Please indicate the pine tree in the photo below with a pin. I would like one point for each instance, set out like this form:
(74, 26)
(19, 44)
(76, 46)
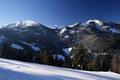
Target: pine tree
(79, 57)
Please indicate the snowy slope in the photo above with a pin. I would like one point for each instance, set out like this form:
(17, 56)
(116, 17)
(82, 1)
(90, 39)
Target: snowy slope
(16, 70)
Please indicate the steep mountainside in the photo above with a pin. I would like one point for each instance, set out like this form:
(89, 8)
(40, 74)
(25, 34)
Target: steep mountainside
(29, 37)
(95, 35)
(95, 45)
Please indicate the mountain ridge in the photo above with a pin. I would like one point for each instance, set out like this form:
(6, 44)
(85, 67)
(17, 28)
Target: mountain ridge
(35, 42)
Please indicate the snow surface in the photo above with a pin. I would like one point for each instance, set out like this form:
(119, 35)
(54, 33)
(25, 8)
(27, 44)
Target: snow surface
(30, 23)
(98, 22)
(72, 31)
(73, 25)
(66, 36)
(17, 46)
(67, 50)
(59, 57)
(17, 23)
(53, 26)
(35, 48)
(63, 30)
(20, 30)
(2, 38)
(114, 30)
(21, 24)
(16, 70)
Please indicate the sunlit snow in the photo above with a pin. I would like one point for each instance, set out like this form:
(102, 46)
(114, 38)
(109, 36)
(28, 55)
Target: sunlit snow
(63, 30)
(98, 22)
(16, 70)
(30, 23)
(73, 25)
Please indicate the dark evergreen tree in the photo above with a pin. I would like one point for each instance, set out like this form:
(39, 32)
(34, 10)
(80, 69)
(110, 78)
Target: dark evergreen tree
(116, 63)
(79, 57)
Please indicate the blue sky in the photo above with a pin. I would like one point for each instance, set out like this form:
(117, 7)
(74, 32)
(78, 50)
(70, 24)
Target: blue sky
(60, 12)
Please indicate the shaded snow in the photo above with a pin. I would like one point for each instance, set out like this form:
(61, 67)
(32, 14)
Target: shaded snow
(105, 27)
(35, 48)
(16, 70)
(67, 50)
(59, 57)
(20, 30)
(36, 33)
(16, 46)
(114, 30)
(2, 38)
(72, 31)
(53, 26)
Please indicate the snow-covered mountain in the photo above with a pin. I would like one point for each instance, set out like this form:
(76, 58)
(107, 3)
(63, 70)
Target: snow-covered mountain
(33, 35)
(36, 34)
(22, 24)
(30, 37)
(66, 37)
(88, 31)
(92, 42)
(16, 70)
(31, 41)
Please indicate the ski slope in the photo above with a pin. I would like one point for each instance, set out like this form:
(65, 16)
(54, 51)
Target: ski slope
(17, 70)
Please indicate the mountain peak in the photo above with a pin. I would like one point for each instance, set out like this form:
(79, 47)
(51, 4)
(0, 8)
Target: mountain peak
(30, 23)
(74, 24)
(23, 24)
(97, 22)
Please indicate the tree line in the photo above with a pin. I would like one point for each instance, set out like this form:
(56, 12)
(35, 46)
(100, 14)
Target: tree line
(80, 58)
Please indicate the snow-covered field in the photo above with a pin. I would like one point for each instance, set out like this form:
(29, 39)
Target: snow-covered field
(16, 70)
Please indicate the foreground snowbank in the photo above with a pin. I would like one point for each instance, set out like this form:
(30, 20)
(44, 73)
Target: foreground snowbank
(16, 70)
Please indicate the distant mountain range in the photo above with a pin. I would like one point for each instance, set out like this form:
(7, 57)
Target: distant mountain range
(93, 34)
(96, 36)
